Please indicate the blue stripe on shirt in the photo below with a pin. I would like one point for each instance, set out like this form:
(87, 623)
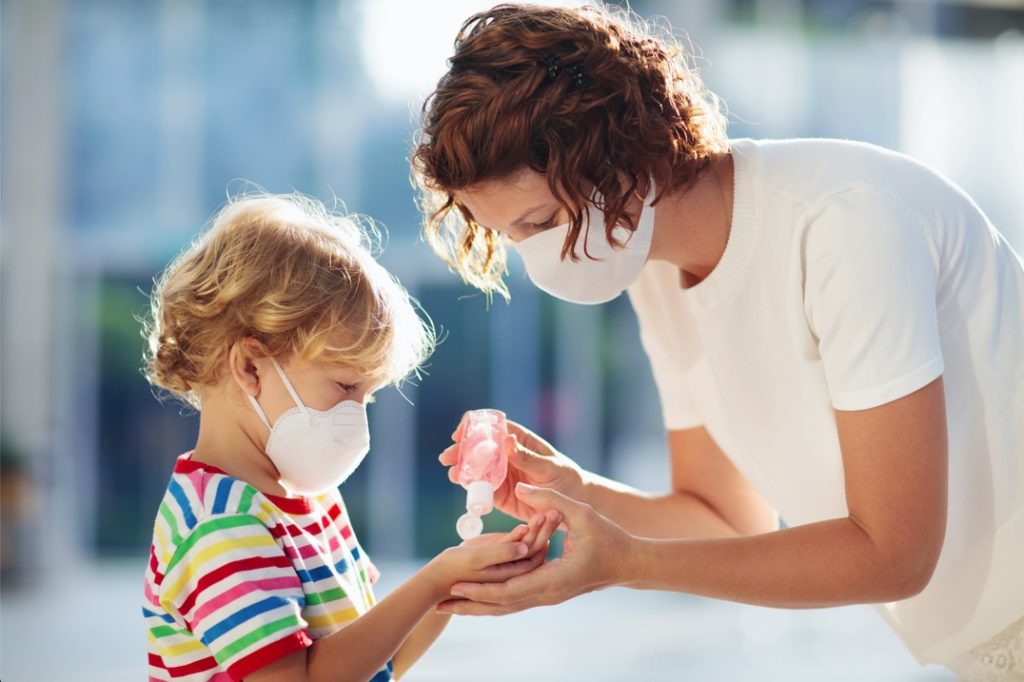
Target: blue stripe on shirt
(242, 615)
(182, 499)
(153, 614)
(223, 490)
(321, 572)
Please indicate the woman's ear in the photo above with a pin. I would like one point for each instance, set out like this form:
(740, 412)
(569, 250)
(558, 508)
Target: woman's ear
(246, 359)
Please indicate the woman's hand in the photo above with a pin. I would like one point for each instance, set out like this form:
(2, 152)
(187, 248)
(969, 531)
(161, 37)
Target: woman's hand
(494, 557)
(531, 460)
(596, 555)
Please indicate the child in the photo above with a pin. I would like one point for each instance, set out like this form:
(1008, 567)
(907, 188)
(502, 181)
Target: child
(278, 325)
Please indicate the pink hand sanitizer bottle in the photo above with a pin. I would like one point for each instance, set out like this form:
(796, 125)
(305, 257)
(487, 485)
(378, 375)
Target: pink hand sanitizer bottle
(481, 466)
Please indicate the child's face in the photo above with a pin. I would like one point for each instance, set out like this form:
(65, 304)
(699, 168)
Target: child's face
(320, 385)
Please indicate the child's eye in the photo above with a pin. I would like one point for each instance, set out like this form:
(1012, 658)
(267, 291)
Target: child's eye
(348, 388)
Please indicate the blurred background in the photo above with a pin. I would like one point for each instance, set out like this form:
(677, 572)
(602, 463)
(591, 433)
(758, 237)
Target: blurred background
(125, 125)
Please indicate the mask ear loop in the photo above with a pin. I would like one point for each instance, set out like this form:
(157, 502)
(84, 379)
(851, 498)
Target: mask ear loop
(291, 392)
(260, 412)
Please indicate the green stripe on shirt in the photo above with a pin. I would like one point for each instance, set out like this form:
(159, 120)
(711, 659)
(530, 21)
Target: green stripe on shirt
(208, 526)
(246, 500)
(165, 511)
(230, 650)
(326, 596)
(168, 630)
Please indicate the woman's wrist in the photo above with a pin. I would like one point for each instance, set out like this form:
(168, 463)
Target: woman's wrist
(588, 489)
(603, 494)
(628, 568)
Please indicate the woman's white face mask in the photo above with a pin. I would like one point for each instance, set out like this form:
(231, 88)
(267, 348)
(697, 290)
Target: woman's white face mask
(602, 276)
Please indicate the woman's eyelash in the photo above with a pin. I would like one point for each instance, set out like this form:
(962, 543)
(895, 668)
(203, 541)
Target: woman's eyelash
(550, 222)
(346, 387)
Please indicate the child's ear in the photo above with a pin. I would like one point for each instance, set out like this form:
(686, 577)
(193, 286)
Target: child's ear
(246, 359)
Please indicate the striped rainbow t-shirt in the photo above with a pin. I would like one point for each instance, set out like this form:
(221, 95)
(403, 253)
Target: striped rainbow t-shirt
(238, 578)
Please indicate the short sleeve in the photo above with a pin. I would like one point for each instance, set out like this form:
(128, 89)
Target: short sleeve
(237, 591)
(870, 298)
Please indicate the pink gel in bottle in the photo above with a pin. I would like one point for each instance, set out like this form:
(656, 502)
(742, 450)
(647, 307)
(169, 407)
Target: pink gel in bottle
(481, 466)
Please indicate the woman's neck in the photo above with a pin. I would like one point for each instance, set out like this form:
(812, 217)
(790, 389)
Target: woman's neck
(691, 228)
(225, 443)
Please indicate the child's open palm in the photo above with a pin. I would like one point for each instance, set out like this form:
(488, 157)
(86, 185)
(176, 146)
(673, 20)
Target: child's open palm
(497, 557)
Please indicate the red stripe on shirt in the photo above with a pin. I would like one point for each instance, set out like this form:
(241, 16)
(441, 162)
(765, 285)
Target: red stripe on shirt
(154, 566)
(279, 530)
(228, 570)
(247, 665)
(202, 665)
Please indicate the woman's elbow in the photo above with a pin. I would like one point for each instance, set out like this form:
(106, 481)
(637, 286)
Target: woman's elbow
(911, 568)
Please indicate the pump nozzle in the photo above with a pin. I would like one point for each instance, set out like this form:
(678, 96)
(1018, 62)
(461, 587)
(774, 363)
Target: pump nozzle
(469, 526)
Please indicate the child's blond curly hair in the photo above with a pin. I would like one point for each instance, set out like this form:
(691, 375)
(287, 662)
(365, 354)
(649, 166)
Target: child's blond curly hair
(287, 271)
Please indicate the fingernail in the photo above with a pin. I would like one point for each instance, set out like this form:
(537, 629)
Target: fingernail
(521, 549)
(443, 609)
(458, 593)
(525, 488)
(557, 517)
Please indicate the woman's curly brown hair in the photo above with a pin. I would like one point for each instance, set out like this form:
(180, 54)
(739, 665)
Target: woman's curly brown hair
(642, 112)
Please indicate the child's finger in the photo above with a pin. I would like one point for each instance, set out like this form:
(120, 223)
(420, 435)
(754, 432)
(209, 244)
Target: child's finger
(498, 553)
(518, 533)
(502, 572)
(514, 535)
(457, 434)
(539, 542)
(533, 526)
(453, 475)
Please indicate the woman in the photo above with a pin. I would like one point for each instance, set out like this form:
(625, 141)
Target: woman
(834, 329)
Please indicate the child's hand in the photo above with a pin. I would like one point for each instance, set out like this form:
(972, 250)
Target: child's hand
(494, 557)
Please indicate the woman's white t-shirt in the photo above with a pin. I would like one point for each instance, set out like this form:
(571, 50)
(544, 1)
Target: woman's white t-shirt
(854, 276)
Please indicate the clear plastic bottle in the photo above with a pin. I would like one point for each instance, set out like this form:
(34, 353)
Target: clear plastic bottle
(481, 466)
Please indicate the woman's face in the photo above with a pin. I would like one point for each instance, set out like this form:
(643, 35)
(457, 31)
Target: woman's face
(517, 206)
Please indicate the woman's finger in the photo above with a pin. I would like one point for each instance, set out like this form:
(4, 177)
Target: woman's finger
(530, 440)
(512, 591)
(457, 433)
(536, 467)
(450, 455)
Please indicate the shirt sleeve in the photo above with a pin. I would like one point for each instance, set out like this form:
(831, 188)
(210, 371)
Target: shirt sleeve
(870, 280)
(238, 592)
